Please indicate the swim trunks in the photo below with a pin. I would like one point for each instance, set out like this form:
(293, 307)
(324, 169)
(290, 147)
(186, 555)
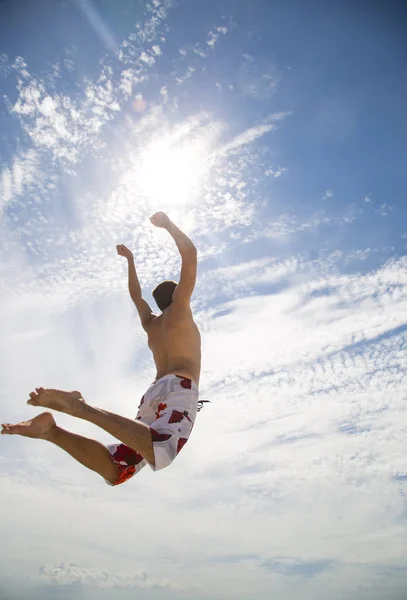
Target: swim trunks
(169, 408)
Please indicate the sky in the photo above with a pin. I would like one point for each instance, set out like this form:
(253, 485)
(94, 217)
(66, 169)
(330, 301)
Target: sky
(274, 134)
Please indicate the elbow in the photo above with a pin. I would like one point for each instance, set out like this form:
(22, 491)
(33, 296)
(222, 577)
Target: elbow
(189, 251)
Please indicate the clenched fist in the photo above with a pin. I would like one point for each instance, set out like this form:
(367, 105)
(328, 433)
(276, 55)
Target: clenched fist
(122, 250)
(160, 219)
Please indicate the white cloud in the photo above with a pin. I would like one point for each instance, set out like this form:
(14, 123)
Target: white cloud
(198, 50)
(277, 172)
(384, 209)
(188, 73)
(213, 35)
(17, 179)
(288, 225)
(328, 194)
(248, 137)
(59, 124)
(147, 59)
(69, 64)
(65, 126)
(70, 573)
(251, 135)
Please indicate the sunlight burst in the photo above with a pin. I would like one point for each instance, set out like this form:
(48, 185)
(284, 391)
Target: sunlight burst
(172, 174)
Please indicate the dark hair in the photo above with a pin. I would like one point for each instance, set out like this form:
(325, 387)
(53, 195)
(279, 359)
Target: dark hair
(162, 294)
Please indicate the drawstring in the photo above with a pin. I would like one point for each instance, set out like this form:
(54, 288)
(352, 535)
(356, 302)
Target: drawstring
(201, 403)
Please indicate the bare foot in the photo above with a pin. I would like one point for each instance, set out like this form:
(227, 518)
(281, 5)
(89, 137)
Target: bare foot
(70, 403)
(39, 427)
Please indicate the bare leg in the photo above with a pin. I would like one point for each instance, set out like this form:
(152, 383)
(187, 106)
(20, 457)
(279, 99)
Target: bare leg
(132, 433)
(90, 453)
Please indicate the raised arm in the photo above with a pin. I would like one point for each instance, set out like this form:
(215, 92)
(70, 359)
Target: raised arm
(189, 255)
(143, 308)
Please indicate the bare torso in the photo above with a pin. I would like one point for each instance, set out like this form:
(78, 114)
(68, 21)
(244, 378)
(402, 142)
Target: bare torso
(175, 342)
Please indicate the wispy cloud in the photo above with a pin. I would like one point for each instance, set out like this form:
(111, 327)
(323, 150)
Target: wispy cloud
(16, 179)
(384, 209)
(213, 35)
(257, 77)
(71, 574)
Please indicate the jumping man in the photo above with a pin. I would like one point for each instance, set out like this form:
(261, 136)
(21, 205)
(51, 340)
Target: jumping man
(167, 410)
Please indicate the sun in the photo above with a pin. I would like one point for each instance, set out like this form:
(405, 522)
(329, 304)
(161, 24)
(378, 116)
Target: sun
(171, 173)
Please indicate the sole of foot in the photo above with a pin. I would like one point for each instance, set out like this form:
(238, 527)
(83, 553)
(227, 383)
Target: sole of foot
(38, 427)
(66, 402)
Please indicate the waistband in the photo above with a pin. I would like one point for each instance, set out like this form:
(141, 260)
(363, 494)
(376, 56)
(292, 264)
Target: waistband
(194, 386)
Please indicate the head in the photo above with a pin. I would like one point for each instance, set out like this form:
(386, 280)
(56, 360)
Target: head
(162, 294)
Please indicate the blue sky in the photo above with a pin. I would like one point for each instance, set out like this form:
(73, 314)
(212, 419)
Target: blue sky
(274, 134)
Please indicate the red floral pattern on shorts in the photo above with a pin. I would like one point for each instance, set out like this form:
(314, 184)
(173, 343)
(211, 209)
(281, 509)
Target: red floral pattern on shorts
(181, 444)
(185, 383)
(159, 437)
(131, 458)
(125, 473)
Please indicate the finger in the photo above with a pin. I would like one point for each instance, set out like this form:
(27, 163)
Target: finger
(32, 402)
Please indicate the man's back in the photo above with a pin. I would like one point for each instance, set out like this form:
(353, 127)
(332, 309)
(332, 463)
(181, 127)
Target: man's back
(173, 336)
(175, 342)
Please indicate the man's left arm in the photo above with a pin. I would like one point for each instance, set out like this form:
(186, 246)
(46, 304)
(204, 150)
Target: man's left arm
(189, 256)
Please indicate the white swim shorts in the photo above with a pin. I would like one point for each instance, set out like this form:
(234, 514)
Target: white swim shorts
(169, 408)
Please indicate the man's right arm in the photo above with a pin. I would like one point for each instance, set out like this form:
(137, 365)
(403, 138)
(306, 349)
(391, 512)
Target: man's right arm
(142, 306)
(144, 310)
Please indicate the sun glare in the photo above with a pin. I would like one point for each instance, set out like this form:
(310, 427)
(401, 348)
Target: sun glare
(171, 174)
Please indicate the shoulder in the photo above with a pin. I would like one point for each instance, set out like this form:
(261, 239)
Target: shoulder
(179, 309)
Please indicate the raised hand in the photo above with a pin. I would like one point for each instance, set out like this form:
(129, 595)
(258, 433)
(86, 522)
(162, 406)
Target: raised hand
(160, 219)
(122, 250)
